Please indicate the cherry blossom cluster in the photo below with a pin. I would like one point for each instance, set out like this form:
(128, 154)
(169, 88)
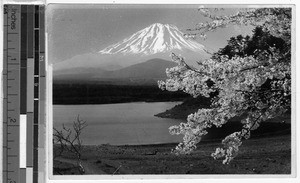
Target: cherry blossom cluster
(254, 88)
(231, 147)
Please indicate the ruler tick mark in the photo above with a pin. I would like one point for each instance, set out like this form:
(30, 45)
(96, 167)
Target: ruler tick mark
(12, 155)
(13, 54)
(8, 171)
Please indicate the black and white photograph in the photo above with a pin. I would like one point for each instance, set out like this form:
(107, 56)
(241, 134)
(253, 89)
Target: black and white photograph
(170, 89)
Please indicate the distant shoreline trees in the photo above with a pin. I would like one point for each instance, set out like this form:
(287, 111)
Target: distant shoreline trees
(251, 76)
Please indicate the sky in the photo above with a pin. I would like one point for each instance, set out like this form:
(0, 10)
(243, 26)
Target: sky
(79, 29)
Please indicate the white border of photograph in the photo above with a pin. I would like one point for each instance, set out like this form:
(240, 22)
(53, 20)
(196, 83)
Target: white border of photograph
(170, 178)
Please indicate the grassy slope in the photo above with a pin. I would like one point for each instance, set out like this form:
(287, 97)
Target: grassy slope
(255, 157)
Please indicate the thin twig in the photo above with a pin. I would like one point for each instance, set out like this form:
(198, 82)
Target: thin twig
(117, 169)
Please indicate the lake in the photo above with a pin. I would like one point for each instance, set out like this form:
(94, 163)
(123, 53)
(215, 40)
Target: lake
(120, 124)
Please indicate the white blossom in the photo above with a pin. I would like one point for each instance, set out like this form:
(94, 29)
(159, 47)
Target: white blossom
(239, 81)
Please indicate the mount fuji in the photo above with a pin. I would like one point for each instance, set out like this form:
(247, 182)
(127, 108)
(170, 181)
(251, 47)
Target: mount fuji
(157, 38)
(156, 41)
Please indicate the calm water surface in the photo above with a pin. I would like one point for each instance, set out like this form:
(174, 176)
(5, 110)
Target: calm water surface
(120, 124)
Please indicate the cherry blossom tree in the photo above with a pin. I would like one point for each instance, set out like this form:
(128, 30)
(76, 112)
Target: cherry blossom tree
(253, 87)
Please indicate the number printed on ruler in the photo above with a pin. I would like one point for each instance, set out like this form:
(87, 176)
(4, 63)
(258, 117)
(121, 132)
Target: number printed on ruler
(12, 27)
(23, 61)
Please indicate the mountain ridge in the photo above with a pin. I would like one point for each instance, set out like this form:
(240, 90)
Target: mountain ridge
(149, 71)
(154, 68)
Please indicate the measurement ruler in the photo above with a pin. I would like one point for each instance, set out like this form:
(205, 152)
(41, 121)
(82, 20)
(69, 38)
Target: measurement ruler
(23, 91)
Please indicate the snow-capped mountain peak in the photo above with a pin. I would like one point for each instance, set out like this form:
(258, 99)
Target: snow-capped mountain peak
(156, 38)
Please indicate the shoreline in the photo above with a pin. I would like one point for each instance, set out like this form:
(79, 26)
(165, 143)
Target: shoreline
(168, 101)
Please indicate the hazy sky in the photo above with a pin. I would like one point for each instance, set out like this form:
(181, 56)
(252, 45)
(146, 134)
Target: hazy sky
(79, 29)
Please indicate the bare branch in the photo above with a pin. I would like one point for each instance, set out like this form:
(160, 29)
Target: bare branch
(70, 140)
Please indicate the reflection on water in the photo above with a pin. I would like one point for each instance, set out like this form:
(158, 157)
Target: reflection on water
(119, 124)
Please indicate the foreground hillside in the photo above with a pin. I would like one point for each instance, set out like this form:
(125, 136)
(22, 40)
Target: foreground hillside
(263, 155)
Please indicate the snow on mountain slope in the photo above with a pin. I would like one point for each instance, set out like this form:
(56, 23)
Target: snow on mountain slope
(156, 41)
(157, 38)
